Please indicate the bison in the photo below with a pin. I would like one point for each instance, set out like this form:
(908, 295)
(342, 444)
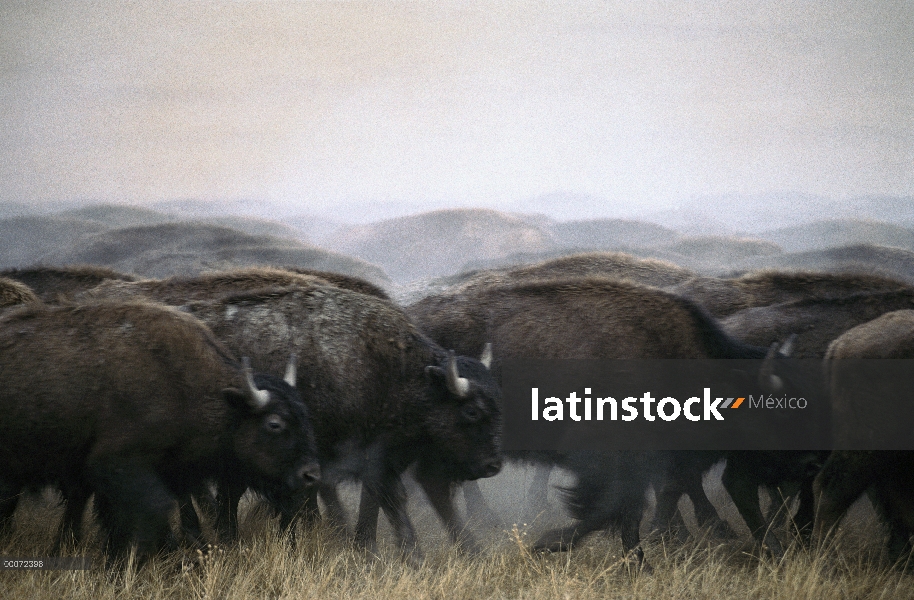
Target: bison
(12, 293)
(723, 297)
(179, 290)
(380, 393)
(593, 318)
(52, 283)
(815, 321)
(139, 404)
(887, 475)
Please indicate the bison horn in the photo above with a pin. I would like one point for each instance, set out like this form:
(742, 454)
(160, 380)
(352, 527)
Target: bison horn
(787, 347)
(459, 386)
(486, 358)
(259, 398)
(766, 376)
(290, 376)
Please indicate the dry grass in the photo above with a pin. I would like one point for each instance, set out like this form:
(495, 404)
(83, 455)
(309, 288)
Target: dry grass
(325, 565)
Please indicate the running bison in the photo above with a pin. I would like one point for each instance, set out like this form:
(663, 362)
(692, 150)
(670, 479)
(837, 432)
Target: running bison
(722, 297)
(53, 283)
(13, 293)
(887, 475)
(815, 321)
(138, 404)
(380, 393)
(600, 318)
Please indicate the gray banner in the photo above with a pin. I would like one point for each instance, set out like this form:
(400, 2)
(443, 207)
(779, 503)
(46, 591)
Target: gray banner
(565, 405)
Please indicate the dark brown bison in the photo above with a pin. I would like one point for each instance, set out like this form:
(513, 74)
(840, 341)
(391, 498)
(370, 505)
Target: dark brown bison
(347, 282)
(887, 475)
(380, 393)
(52, 283)
(179, 290)
(816, 322)
(138, 404)
(596, 318)
(722, 297)
(12, 293)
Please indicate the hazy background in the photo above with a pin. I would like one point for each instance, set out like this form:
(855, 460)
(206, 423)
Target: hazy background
(355, 111)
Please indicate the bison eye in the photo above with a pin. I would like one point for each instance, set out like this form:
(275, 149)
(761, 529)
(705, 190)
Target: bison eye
(471, 413)
(275, 423)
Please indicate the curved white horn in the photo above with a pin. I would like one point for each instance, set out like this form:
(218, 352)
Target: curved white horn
(486, 358)
(259, 398)
(787, 348)
(766, 376)
(459, 386)
(290, 376)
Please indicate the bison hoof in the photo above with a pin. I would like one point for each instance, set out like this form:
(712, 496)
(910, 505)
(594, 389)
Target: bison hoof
(553, 542)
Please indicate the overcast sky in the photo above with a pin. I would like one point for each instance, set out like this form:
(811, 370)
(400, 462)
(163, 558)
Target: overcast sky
(329, 104)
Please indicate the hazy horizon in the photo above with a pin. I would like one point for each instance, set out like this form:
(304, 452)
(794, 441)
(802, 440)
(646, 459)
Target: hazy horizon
(607, 108)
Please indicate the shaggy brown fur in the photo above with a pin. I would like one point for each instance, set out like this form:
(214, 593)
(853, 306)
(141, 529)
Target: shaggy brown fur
(12, 293)
(347, 282)
(375, 405)
(816, 321)
(888, 475)
(580, 318)
(611, 265)
(179, 290)
(52, 283)
(134, 402)
(722, 297)
(599, 319)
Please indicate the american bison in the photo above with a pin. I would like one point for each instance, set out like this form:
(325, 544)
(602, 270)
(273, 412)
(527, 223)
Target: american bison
(815, 322)
(380, 393)
(586, 319)
(13, 293)
(887, 475)
(52, 283)
(138, 404)
(723, 297)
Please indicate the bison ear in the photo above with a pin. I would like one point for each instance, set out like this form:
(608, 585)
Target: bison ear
(236, 398)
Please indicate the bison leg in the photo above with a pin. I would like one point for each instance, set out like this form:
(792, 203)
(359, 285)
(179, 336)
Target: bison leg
(477, 505)
(743, 491)
(440, 493)
(538, 493)
(76, 497)
(336, 516)
(190, 522)
(135, 506)
(667, 518)
(9, 499)
(366, 528)
(228, 496)
(390, 495)
(838, 486)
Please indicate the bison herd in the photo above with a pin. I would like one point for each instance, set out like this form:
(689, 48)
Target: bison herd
(148, 394)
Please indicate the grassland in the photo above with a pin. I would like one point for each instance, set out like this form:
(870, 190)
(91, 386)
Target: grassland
(324, 564)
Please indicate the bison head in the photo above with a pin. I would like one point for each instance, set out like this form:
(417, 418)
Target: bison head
(273, 439)
(465, 417)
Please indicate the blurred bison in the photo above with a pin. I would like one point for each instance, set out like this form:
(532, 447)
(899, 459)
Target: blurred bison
(179, 290)
(381, 395)
(605, 319)
(12, 293)
(815, 321)
(138, 404)
(722, 297)
(53, 283)
(887, 475)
